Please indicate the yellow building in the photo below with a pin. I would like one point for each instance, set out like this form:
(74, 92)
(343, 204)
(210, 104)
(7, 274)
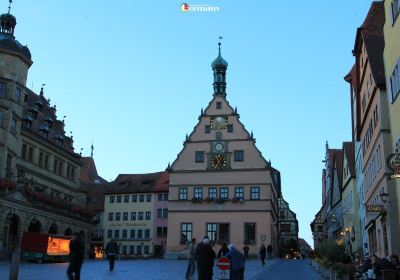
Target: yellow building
(391, 56)
(130, 211)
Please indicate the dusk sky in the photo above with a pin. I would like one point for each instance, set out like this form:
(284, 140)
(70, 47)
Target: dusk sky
(132, 76)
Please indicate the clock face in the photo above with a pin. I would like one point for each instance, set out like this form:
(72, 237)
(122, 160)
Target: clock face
(218, 147)
(219, 123)
(219, 162)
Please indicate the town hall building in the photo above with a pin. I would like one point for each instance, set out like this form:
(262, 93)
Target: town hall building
(220, 184)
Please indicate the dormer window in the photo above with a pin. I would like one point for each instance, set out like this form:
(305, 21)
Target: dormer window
(59, 140)
(49, 122)
(39, 104)
(219, 105)
(34, 111)
(27, 122)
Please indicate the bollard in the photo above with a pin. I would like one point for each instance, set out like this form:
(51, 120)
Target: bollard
(14, 266)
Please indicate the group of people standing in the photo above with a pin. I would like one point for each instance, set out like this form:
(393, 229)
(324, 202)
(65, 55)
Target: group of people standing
(202, 255)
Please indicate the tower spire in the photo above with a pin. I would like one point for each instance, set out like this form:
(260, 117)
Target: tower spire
(219, 66)
(9, 6)
(91, 150)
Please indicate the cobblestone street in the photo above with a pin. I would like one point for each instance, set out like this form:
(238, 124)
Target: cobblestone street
(159, 270)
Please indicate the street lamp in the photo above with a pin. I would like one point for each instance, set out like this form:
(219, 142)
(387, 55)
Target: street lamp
(384, 197)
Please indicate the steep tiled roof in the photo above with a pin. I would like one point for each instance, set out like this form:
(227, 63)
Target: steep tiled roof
(141, 183)
(37, 110)
(371, 32)
(96, 195)
(348, 150)
(89, 172)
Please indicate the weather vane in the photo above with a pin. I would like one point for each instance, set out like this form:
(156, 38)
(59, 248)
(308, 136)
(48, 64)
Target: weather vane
(9, 6)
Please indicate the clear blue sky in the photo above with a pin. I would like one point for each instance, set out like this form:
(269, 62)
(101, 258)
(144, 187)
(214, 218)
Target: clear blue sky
(133, 76)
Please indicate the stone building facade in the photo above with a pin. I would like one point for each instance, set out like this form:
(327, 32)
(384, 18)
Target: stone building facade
(220, 184)
(39, 170)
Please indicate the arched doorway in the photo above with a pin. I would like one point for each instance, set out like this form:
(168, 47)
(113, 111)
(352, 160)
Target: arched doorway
(13, 232)
(35, 226)
(68, 232)
(53, 229)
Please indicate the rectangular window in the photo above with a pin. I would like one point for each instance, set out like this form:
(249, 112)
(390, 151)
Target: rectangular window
(131, 250)
(119, 199)
(116, 233)
(118, 216)
(147, 233)
(249, 233)
(17, 94)
(23, 153)
(395, 82)
(3, 89)
(141, 198)
(255, 193)
(239, 192)
(230, 128)
(126, 198)
(125, 216)
(239, 155)
(224, 193)
(199, 156)
(198, 193)
(140, 234)
(132, 234)
(46, 163)
(148, 198)
(112, 199)
(207, 129)
(1, 118)
(148, 215)
(134, 198)
(133, 216)
(110, 216)
(146, 249)
(165, 197)
(109, 233)
(212, 231)
(212, 193)
(223, 233)
(140, 216)
(138, 249)
(159, 232)
(219, 105)
(60, 168)
(159, 213)
(186, 232)
(124, 233)
(123, 249)
(183, 193)
(30, 154)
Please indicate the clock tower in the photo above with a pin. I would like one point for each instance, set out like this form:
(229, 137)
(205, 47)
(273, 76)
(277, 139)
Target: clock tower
(220, 184)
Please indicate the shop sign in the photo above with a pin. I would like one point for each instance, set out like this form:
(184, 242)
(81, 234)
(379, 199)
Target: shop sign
(375, 208)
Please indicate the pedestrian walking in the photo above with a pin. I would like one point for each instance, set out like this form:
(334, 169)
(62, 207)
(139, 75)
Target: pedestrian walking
(246, 250)
(204, 255)
(191, 268)
(77, 254)
(263, 253)
(269, 251)
(237, 263)
(223, 250)
(112, 251)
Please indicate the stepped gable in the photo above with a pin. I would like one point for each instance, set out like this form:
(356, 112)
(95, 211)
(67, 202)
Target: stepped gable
(43, 119)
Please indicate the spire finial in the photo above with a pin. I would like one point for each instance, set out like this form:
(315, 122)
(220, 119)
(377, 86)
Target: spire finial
(9, 6)
(41, 89)
(219, 44)
(91, 150)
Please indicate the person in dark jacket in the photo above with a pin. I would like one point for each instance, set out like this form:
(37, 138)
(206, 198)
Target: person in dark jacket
(77, 254)
(237, 263)
(246, 250)
(223, 251)
(381, 264)
(112, 251)
(263, 253)
(269, 251)
(205, 256)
